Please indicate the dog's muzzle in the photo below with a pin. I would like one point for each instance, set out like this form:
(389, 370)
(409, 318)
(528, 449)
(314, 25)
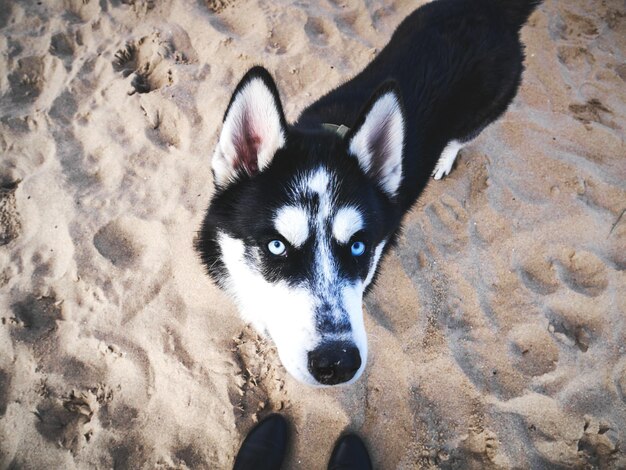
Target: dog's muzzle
(334, 362)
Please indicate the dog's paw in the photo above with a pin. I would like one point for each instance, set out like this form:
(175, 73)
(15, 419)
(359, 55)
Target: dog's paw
(446, 160)
(443, 168)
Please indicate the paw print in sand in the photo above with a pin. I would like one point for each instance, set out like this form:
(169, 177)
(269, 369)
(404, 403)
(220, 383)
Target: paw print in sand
(10, 225)
(259, 386)
(146, 60)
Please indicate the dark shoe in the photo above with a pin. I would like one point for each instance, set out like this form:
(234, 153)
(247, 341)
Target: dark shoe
(264, 447)
(350, 454)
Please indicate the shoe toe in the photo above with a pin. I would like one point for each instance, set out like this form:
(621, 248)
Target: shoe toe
(264, 447)
(350, 454)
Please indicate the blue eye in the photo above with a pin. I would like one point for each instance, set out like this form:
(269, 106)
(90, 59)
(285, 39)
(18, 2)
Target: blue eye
(357, 248)
(277, 247)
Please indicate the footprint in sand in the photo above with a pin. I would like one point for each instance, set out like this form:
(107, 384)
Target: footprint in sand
(535, 352)
(140, 7)
(35, 318)
(318, 30)
(598, 445)
(5, 384)
(577, 334)
(117, 243)
(62, 45)
(279, 41)
(191, 457)
(583, 272)
(578, 324)
(10, 225)
(131, 363)
(539, 275)
(448, 218)
(132, 451)
(63, 426)
(380, 16)
(166, 126)
(7, 12)
(69, 420)
(131, 241)
(145, 59)
(575, 58)
(569, 25)
(220, 23)
(547, 427)
(27, 81)
(621, 71)
(578, 26)
(81, 11)
(151, 59)
(591, 111)
(346, 23)
(217, 6)
(175, 347)
(481, 446)
(258, 388)
(619, 377)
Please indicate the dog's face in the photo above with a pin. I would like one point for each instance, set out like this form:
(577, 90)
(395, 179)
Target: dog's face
(298, 223)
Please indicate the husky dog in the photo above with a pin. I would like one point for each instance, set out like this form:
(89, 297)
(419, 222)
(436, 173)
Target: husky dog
(302, 213)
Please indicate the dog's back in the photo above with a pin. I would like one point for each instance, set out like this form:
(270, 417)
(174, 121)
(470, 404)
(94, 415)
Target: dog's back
(458, 65)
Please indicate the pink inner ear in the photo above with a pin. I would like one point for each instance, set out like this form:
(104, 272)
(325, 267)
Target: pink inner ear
(247, 143)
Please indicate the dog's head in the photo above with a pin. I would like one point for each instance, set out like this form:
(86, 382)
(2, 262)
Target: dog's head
(299, 221)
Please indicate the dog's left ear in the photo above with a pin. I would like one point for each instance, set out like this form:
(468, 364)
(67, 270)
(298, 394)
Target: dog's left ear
(254, 128)
(377, 139)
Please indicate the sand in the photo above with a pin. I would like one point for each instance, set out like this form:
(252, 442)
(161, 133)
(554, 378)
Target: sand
(497, 330)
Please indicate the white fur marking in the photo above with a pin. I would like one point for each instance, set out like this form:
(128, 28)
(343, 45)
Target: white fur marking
(285, 312)
(347, 222)
(256, 106)
(293, 224)
(318, 181)
(352, 297)
(384, 116)
(446, 160)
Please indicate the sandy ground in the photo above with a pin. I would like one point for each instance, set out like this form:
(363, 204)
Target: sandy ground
(497, 330)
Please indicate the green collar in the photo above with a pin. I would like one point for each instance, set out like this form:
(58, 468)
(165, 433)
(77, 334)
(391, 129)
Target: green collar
(341, 130)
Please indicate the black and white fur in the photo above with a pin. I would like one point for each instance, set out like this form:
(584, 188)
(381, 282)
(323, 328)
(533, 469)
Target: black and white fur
(294, 205)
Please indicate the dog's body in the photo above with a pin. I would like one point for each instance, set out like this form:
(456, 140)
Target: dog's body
(302, 214)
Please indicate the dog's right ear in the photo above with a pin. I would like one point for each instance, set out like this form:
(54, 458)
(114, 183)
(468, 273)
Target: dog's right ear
(254, 128)
(377, 139)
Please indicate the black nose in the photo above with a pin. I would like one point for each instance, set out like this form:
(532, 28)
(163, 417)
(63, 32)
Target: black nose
(335, 362)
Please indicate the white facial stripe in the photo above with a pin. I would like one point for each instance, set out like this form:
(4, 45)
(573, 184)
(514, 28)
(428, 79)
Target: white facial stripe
(320, 184)
(352, 296)
(347, 222)
(326, 277)
(378, 251)
(293, 224)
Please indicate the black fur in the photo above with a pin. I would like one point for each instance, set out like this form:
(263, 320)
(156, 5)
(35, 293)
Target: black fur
(458, 64)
